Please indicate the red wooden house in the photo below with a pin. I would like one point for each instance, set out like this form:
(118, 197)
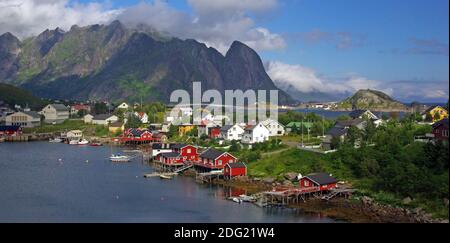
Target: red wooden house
(187, 152)
(170, 158)
(440, 130)
(323, 181)
(213, 159)
(133, 135)
(10, 131)
(234, 169)
(214, 132)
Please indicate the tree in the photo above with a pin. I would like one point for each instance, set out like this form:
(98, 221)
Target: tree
(437, 116)
(173, 131)
(82, 113)
(234, 146)
(100, 108)
(428, 117)
(133, 122)
(354, 135)
(335, 142)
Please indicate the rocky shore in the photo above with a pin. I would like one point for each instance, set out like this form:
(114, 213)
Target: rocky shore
(354, 210)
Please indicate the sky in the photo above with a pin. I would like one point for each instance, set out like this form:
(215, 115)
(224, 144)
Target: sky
(330, 46)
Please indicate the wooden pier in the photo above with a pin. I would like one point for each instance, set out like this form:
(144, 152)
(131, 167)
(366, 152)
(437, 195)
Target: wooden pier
(296, 195)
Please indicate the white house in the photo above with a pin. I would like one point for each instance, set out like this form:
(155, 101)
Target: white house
(255, 134)
(23, 119)
(55, 113)
(104, 119)
(88, 118)
(275, 128)
(124, 106)
(74, 135)
(231, 132)
(142, 116)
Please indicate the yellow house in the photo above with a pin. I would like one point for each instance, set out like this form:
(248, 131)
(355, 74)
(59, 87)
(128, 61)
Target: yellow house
(433, 110)
(116, 127)
(184, 129)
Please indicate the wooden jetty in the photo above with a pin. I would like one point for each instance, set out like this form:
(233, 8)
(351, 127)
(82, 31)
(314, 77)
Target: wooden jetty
(296, 195)
(209, 176)
(156, 174)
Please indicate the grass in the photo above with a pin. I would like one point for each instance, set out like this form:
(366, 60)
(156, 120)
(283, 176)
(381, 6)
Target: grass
(88, 129)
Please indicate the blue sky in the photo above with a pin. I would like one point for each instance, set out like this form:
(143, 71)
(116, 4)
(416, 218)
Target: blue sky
(331, 46)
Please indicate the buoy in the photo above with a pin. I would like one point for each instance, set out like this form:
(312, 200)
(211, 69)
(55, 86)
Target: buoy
(59, 159)
(87, 161)
(117, 197)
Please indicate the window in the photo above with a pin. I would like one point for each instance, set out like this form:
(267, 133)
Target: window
(219, 162)
(306, 183)
(188, 151)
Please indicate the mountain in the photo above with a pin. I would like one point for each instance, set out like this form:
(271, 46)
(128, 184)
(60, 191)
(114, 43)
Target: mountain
(116, 63)
(371, 99)
(12, 95)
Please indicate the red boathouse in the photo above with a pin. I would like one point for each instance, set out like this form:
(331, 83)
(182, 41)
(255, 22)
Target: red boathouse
(188, 153)
(213, 159)
(234, 169)
(323, 181)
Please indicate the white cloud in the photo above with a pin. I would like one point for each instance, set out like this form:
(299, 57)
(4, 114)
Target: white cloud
(216, 23)
(30, 17)
(307, 80)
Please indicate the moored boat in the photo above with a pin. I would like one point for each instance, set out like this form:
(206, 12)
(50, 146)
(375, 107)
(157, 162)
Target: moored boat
(55, 140)
(167, 177)
(83, 142)
(2, 140)
(73, 142)
(120, 158)
(96, 144)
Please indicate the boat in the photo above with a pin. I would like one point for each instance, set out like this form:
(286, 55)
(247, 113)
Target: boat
(96, 144)
(2, 140)
(83, 142)
(120, 158)
(246, 198)
(236, 200)
(167, 177)
(73, 142)
(55, 140)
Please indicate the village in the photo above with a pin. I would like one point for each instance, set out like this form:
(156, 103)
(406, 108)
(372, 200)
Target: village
(212, 152)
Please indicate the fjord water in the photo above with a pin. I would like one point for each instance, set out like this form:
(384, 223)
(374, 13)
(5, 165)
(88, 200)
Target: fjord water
(44, 182)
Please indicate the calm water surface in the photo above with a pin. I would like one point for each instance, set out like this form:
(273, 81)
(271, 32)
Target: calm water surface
(85, 187)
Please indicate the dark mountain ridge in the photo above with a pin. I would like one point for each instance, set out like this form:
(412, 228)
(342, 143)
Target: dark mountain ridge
(115, 63)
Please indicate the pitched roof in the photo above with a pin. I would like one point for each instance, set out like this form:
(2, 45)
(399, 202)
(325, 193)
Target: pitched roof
(179, 145)
(357, 113)
(102, 116)
(116, 124)
(60, 107)
(211, 154)
(321, 178)
(443, 122)
(349, 123)
(337, 132)
(170, 155)
(226, 128)
(33, 114)
(237, 165)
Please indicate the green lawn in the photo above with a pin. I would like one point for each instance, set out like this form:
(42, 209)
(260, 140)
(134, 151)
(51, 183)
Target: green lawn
(88, 129)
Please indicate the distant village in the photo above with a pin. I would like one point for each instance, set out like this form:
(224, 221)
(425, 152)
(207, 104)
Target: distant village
(160, 134)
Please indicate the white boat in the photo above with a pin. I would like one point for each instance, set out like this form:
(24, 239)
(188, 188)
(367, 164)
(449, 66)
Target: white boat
(55, 140)
(83, 142)
(73, 142)
(236, 200)
(120, 158)
(167, 177)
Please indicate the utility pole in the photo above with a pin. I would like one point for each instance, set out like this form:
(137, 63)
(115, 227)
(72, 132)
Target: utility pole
(302, 132)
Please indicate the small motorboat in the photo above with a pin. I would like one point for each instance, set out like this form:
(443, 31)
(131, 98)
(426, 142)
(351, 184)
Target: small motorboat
(246, 198)
(120, 158)
(2, 140)
(83, 142)
(73, 142)
(167, 177)
(236, 200)
(55, 140)
(96, 144)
